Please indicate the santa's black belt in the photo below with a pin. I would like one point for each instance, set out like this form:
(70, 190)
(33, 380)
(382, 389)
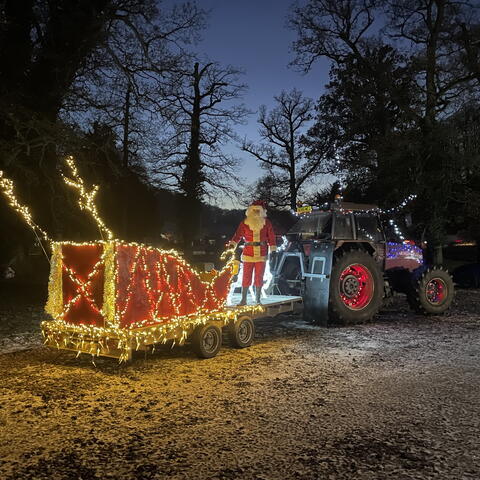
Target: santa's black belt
(255, 244)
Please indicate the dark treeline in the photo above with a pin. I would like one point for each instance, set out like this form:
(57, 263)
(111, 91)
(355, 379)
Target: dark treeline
(118, 84)
(399, 116)
(401, 110)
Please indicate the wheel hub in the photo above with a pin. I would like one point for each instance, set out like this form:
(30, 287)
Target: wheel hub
(350, 286)
(436, 291)
(209, 341)
(244, 332)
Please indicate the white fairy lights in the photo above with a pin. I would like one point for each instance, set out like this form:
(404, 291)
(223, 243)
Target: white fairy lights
(86, 199)
(8, 189)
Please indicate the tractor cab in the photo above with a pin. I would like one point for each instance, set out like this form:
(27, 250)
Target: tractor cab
(342, 223)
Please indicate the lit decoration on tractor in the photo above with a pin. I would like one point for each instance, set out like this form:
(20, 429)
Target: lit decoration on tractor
(108, 297)
(403, 255)
(303, 210)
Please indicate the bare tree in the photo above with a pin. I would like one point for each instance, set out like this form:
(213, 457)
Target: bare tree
(270, 189)
(282, 152)
(431, 29)
(120, 81)
(202, 105)
(330, 28)
(469, 39)
(74, 62)
(65, 64)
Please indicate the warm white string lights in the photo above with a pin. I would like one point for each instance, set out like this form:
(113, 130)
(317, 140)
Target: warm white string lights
(8, 189)
(86, 199)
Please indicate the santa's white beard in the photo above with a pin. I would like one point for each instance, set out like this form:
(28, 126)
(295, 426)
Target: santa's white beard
(255, 222)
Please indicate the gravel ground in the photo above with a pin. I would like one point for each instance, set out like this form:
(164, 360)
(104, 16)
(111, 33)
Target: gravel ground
(397, 398)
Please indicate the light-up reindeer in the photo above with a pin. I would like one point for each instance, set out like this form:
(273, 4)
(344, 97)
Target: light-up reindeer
(107, 297)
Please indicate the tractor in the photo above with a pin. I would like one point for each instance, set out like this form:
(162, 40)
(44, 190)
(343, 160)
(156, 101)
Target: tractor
(339, 260)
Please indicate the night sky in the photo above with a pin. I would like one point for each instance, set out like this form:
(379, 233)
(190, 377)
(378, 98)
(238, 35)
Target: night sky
(252, 35)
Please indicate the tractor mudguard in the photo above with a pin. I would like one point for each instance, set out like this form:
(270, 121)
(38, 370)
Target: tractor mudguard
(317, 283)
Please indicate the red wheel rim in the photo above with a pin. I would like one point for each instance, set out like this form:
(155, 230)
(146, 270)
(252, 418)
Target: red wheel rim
(356, 286)
(436, 291)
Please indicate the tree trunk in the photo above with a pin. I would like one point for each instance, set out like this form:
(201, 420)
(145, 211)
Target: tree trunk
(126, 128)
(434, 21)
(436, 220)
(125, 154)
(192, 178)
(293, 177)
(293, 192)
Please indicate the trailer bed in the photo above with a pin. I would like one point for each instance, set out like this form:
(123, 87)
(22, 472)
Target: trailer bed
(272, 305)
(110, 346)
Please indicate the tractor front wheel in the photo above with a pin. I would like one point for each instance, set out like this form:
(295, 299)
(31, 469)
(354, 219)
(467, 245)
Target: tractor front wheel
(432, 292)
(356, 288)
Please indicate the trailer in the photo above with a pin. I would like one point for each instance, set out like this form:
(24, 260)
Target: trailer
(109, 297)
(113, 298)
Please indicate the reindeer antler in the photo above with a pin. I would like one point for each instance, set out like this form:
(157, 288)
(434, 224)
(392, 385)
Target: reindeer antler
(86, 200)
(8, 187)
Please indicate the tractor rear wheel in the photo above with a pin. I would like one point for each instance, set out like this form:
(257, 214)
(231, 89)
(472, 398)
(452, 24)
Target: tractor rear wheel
(356, 288)
(432, 292)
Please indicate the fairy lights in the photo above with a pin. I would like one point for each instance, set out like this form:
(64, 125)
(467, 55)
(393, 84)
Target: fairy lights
(396, 230)
(54, 305)
(8, 190)
(190, 301)
(104, 340)
(396, 250)
(86, 199)
(389, 211)
(305, 210)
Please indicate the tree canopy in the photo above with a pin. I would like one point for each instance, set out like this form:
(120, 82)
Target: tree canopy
(394, 94)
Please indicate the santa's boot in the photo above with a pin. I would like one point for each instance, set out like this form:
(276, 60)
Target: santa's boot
(243, 301)
(258, 294)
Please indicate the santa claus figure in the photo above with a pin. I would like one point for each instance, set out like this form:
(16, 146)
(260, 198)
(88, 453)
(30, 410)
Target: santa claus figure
(257, 232)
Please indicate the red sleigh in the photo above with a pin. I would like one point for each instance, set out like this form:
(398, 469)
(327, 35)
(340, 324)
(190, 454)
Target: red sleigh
(109, 298)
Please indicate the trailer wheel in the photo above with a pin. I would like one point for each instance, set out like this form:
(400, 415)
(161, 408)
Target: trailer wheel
(242, 332)
(356, 288)
(432, 292)
(207, 340)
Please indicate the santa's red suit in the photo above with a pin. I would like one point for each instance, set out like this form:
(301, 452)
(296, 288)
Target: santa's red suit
(257, 232)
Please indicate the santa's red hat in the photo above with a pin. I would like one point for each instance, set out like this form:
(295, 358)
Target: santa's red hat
(260, 203)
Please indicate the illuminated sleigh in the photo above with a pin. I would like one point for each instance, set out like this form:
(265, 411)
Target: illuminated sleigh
(109, 297)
